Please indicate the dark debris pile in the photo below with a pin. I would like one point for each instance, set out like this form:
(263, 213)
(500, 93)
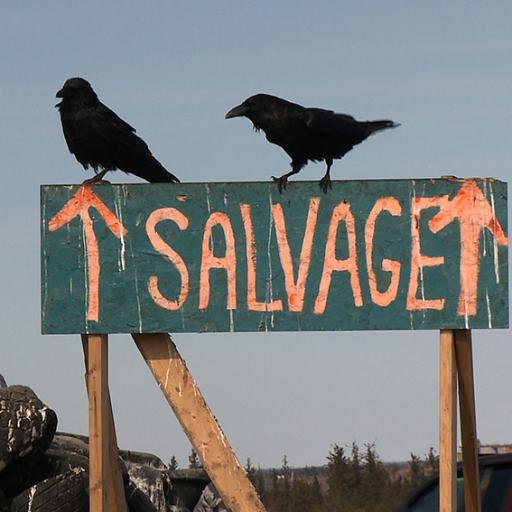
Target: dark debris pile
(43, 470)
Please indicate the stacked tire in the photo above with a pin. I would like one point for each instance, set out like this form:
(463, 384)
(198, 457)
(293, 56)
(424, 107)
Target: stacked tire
(27, 482)
(45, 471)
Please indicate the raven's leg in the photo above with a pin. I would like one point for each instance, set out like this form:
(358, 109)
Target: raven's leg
(325, 182)
(283, 180)
(97, 178)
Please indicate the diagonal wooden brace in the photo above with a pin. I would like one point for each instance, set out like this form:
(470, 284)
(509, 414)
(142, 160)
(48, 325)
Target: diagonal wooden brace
(464, 356)
(198, 422)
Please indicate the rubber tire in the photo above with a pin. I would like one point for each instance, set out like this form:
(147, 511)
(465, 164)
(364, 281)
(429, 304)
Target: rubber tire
(66, 492)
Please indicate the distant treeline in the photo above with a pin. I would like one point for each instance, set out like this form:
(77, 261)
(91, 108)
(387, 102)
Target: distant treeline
(351, 481)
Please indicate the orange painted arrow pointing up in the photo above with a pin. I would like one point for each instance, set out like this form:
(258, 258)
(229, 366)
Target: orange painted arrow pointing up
(475, 214)
(79, 205)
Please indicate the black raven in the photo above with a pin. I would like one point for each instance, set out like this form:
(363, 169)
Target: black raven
(306, 133)
(99, 138)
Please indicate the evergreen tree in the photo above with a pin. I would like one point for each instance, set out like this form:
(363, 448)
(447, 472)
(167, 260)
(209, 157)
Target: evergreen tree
(286, 479)
(173, 464)
(354, 480)
(317, 492)
(376, 480)
(337, 464)
(302, 497)
(250, 471)
(337, 498)
(432, 462)
(274, 498)
(194, 461)
(415, 472)
(260, 486)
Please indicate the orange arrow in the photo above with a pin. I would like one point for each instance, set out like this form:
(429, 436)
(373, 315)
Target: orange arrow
(79, 205)
(475, 214)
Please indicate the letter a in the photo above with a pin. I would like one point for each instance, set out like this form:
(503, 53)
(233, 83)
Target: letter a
(331, 264)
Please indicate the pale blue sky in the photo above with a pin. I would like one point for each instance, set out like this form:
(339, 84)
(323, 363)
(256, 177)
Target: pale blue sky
(172, 70)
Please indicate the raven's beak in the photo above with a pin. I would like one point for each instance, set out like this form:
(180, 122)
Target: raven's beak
(239, 111)
(59, 94)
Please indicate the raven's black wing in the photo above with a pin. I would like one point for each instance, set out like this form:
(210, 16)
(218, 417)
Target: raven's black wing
(331, 123)
(115, 132)
(125, 150)
(342, 125)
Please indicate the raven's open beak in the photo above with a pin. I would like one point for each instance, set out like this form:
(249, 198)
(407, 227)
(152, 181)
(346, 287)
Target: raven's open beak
(239, 111)
(59, 94)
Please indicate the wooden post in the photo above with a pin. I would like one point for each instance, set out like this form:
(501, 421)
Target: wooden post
(117, 495)
(464, 356)
(97, 379)
(198, 422)
(447, 423)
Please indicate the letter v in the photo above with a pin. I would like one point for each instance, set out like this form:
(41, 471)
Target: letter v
(295, 290)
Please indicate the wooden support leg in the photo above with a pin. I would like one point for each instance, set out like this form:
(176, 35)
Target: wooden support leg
(198, 422)
(464, 356)
(117, 496)
(447, 423)
(97, 378)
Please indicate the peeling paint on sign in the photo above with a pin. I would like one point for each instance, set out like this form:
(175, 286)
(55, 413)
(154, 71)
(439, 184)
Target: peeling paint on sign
(224, 257)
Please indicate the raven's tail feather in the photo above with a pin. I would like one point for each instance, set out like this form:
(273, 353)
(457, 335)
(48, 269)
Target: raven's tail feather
(153, 172)
(161, 175)
(377, 126)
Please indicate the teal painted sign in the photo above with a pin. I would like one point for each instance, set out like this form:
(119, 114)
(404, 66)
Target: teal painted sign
(220, 257)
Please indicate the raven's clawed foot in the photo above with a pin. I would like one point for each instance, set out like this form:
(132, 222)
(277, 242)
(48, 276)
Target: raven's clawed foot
(97, 179)
(281, 182)
(325, 183)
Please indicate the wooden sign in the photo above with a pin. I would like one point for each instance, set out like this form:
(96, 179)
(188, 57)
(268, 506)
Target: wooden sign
(220, 257)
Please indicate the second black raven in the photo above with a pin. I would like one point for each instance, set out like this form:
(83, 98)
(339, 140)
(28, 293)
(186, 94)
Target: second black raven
(306, 133)
(99, 138)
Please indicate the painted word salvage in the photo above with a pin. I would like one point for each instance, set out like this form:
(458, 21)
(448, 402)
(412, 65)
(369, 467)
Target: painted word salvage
(220, 257)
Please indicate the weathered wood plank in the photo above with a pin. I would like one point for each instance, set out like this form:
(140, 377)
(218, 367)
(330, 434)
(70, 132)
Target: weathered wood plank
(447, 423)
(198, 422)
(97, 380)
(117, 495)
(221, 257)
(464, 355)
